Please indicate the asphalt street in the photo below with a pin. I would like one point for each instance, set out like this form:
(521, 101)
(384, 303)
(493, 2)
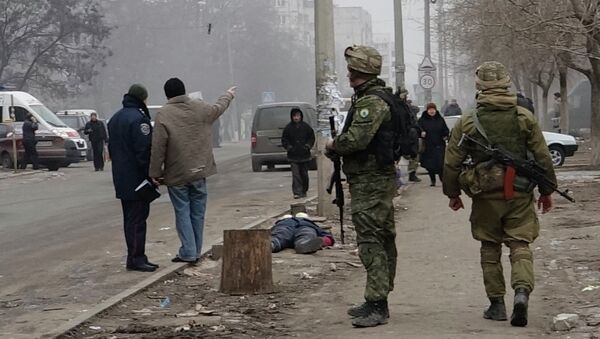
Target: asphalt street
(61, 240)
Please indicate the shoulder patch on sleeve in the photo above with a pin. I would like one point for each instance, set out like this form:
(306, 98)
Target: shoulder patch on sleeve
(145, 128)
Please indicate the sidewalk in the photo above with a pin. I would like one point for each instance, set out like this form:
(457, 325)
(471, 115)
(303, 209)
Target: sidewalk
(439, 290)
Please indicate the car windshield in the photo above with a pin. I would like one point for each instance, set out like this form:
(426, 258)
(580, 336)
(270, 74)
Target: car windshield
(71, 121)
(273, 118)
(48, 116)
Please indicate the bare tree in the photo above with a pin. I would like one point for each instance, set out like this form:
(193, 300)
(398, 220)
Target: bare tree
(50, 44)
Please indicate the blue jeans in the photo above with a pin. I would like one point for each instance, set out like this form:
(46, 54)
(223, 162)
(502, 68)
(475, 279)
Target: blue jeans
(189, 202)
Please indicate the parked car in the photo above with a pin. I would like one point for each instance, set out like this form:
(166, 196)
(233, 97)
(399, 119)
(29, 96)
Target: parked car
(16, 105)
(561, 145)
(76, 119)
(51, 148)
(267, 128)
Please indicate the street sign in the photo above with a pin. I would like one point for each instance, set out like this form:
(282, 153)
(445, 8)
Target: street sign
(426, 65)
(427, 81)
(268, 97)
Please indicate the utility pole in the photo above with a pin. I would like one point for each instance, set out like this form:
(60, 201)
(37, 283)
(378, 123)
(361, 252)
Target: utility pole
(441, 50)
(399, 44)
(428, 97)
(325, 90)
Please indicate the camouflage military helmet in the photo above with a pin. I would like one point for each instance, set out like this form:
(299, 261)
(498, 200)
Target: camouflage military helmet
(363, 59)
(492, 71)
(491, 75)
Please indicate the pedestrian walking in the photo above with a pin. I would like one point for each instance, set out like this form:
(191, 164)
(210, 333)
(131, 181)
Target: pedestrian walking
(503, 209)
(298, 139)
(97, 134)
(434, 133)
(413, 161)
(368, 157)
(129, 148)
(182, 158)
(453, 109)
(30, 126)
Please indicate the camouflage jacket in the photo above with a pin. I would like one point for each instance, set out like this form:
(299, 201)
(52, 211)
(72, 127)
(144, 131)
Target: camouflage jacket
(513, 127)
(368, 113)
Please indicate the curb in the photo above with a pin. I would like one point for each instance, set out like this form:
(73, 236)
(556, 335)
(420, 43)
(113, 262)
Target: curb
(112, 301)
(17, 175)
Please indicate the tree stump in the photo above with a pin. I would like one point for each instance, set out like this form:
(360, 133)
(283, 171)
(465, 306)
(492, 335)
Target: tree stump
(246, 265)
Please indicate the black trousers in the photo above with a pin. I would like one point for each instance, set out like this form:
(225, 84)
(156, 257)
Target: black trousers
(31, 155)
(300, 178)
(135, 213)
(98, 153)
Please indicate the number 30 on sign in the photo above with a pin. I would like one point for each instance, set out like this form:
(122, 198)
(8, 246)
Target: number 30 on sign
(427, 81)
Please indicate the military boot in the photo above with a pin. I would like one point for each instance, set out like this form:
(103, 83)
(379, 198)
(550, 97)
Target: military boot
(497, 309)
(519, 316)
(360, 310)
(374, 314)
(412, 176)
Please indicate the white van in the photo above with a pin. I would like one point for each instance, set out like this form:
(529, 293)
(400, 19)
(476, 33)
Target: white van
(24, 103)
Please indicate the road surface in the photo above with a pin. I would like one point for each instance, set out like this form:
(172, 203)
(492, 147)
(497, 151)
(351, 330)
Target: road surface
(62, 243)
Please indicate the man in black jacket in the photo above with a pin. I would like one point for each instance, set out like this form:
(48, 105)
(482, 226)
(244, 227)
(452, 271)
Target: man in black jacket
(29, 127)
(97, 134)
(129, 148)
(298, 138)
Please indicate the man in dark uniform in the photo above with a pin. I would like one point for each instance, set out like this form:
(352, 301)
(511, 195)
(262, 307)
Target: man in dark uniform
(31, 156)
(129, 147)
(97, 134)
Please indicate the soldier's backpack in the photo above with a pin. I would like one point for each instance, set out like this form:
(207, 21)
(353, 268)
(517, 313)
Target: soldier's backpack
(406, 130)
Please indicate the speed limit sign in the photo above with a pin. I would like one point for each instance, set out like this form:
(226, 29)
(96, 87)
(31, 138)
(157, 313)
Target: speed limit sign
(427, 81)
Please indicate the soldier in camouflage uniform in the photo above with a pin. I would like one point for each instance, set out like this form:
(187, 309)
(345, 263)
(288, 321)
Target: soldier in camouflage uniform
(367, 152)
(501, 212)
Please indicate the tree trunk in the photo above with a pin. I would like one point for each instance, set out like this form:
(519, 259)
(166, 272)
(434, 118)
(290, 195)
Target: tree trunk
(246, 262)
(595, 82)
(544, 110)
(564, 115)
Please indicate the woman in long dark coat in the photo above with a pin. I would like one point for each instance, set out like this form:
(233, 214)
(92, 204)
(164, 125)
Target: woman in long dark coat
(434, 133)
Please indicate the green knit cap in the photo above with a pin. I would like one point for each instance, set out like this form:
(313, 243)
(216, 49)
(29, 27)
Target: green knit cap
(138, 91)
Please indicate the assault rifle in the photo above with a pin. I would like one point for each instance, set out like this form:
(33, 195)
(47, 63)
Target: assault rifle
(526, 168)
(336, 179)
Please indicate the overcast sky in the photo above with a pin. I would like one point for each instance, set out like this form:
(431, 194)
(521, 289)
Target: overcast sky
(382, 13)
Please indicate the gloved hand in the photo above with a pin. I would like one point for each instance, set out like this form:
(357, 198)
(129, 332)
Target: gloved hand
(456, 203)
(545, 203)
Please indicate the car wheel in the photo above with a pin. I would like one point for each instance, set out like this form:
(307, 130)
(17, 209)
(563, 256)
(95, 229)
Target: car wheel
(256, 166)
(7, 162)
(557, 153)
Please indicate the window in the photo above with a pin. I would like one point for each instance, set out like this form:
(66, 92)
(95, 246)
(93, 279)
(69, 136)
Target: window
(280, 3)
(3, 130)
(282, 19)
(47, 115)
(273, 118)
(72, 121)
(19, 112)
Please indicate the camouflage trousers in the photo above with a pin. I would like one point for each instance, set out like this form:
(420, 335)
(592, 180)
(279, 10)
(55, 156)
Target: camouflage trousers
(413, 164)
(514, 223)
(373, 219)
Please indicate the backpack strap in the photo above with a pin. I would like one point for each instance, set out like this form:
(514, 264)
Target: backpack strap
(479, 127)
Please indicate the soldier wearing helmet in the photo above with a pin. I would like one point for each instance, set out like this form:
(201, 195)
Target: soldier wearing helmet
(503, 209)
(365, 145)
